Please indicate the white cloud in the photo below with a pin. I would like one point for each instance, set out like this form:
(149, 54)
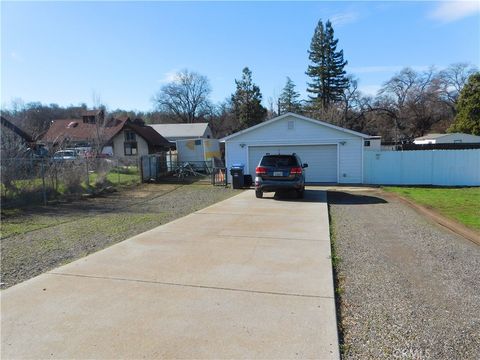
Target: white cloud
(168, 77)
(344, 18)
(449, 11)
(17, 57)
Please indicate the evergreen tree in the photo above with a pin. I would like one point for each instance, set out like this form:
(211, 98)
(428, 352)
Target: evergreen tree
(468, 107)
(288, 101)
(247, 101)
(327, 69)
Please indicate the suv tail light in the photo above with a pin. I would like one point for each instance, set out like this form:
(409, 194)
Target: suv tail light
(261, 170)
(296, 170)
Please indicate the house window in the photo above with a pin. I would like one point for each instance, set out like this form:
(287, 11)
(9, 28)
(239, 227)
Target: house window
(130, 148)
(198, 142)
(130, 136)
(291, 124)
(88, 119)
(367, 143)
(130, 144)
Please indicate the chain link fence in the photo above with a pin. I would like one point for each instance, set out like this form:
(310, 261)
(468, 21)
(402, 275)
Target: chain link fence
(39, 180)
(158, 169)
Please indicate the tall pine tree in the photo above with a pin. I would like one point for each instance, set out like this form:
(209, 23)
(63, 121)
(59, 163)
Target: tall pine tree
(288, 101)
(247, 101)
(327, 68)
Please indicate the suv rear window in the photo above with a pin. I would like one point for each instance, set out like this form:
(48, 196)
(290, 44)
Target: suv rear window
(279, 160)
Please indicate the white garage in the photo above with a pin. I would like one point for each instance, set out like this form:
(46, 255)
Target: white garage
(333, 154)
(321, 159)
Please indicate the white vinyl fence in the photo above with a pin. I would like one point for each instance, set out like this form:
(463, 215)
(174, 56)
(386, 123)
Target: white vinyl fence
(423, 167)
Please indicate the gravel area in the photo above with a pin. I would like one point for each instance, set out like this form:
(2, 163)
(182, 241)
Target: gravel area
(38, 239)
(409, 289)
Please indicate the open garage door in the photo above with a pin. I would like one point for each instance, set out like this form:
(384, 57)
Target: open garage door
(321, 159)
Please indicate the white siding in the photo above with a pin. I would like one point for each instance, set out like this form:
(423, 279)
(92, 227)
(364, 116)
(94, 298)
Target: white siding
(350, 162)
(303, 133)
(187, 150)
(118, 148)
(375, 145)
(208, 133)
(205, 150)
(423, 167)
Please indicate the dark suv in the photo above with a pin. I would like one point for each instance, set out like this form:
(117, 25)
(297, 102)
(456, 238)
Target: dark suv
(280, 172)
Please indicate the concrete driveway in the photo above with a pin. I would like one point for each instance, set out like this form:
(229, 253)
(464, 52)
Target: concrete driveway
(244, 278)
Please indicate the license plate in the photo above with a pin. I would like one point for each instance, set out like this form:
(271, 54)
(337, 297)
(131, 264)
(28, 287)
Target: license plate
(278, 173)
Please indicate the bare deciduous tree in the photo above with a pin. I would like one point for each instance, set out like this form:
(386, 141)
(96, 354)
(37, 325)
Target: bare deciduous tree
(451, 81)
(350, 98)
(186, 98)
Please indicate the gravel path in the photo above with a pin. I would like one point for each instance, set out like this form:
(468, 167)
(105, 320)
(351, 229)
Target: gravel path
(41, 238)
(409, 288)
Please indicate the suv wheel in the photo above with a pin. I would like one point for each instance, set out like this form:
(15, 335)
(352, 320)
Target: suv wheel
(259, 193)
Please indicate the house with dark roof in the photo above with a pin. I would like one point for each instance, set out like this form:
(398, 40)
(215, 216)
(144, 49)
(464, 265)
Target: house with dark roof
(120, 137)
(136, 139)
(15, 142)
(8, 126)
(93, 116)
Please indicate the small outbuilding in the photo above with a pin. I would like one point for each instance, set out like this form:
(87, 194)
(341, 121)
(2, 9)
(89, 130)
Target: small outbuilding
(451, 138)
(333, 154)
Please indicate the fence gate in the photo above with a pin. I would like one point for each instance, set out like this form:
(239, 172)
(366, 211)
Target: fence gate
(148, 168)
(153, 167)
(158, 168)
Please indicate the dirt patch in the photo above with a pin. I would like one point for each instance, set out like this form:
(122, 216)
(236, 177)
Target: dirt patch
(37, 239)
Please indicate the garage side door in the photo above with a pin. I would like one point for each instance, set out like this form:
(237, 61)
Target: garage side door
(321, 159)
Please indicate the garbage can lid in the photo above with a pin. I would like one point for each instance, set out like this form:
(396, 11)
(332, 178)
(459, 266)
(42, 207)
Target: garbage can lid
(238, 166)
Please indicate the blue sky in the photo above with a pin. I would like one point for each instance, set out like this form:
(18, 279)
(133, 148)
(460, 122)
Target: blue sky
(63, 52)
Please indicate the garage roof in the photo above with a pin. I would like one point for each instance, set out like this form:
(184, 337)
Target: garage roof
(301, 117)
(174, 131)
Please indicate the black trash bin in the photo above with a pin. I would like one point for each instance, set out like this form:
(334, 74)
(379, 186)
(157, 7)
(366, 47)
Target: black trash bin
(237, 176)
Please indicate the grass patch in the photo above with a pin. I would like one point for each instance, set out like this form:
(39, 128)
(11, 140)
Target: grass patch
(17, 226)
(115, 178)
(338, 282)
(460, 204)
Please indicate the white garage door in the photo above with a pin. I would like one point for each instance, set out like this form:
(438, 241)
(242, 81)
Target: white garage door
(321, 159)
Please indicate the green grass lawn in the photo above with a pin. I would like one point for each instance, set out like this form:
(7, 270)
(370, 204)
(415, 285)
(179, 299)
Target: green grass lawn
(460, 204)
(118, 178)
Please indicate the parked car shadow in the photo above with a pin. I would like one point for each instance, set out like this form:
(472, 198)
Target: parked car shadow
(309, 196)
(345, 198)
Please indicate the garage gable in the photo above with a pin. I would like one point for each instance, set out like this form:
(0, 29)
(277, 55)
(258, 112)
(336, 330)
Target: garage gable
(293, 127)
(333, 154)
